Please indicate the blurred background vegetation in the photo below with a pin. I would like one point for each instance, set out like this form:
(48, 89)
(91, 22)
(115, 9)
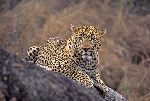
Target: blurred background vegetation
(125, 54)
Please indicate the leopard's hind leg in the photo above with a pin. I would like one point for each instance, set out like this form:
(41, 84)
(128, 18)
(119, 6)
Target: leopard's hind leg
(32, 54)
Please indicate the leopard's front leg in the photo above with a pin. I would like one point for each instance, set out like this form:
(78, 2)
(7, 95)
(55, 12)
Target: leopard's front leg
(82, 78)
(99, 84)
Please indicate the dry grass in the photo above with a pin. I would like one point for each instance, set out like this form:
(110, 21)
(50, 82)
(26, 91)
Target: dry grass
(125, 54)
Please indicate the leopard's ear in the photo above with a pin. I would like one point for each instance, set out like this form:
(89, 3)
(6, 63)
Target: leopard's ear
(104, 31)
(73, 28)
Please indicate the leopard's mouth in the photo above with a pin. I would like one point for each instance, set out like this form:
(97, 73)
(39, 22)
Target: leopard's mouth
(86, 54)
(86, 57)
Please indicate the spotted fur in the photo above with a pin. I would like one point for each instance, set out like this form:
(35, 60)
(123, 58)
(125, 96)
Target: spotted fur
(75, 57)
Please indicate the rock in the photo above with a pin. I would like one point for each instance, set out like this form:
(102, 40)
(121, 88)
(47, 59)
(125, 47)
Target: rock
(24, 81)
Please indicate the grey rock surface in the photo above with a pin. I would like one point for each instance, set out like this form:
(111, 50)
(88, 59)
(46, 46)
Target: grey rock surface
(24, 81)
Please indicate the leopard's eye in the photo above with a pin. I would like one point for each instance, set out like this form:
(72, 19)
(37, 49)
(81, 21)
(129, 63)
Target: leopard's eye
(79, 37)
(80, 34)
(94, 39)
(81, 40)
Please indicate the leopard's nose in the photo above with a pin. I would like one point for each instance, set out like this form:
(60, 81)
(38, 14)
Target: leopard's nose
(86, 49)
(86, 44)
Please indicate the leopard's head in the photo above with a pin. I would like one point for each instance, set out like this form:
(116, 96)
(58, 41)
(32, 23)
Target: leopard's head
(85, 42)
(87, 39)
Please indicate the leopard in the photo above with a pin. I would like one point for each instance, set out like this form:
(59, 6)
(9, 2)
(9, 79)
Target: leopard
(75, 57)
